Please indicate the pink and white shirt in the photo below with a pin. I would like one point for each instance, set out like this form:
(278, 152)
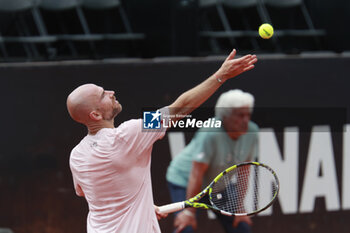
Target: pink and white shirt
(112, 170)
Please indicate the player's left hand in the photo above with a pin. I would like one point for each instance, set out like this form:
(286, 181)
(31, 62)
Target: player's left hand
(239, 219)
(159, 215)
(234, 66)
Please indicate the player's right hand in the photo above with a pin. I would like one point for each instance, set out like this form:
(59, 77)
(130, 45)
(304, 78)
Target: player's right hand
(182, 220)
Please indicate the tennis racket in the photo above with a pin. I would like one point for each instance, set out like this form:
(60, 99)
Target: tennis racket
(241, 190)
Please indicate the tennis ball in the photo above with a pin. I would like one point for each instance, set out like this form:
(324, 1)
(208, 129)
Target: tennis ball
(266, 31)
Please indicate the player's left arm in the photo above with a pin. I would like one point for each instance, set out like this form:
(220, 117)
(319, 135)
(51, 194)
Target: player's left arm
(194, 97)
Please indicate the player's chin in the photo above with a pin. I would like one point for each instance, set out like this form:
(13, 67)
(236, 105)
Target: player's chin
(120, 108)
(116, 111)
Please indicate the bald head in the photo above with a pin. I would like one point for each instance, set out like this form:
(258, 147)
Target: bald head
(82, 101)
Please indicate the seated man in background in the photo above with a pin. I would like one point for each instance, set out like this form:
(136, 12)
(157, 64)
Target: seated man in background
(211, 152)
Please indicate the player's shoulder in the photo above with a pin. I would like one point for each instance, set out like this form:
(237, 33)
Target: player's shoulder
(80, 145)
(74, 150)
(130, 124)
(78, 151)
(253, 127)
(129, 127)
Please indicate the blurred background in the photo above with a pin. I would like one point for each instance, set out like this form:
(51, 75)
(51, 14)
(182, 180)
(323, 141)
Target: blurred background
(150, 52)
(40, 30)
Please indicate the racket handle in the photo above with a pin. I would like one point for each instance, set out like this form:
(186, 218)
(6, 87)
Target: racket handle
(171, 208)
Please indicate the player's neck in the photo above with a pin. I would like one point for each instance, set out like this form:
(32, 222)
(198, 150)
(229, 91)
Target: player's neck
(94, 127)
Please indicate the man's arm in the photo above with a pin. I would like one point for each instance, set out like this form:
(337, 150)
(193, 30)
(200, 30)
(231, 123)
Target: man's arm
(195, 181)
(194, 97)
(187, 216)
(242, 194)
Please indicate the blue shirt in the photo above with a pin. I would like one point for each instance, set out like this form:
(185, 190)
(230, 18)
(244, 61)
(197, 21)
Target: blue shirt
(216, 149)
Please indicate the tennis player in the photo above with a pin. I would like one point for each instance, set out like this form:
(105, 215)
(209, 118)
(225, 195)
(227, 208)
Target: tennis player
(111, 166)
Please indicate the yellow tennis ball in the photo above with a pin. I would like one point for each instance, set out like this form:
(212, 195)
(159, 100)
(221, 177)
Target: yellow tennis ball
(266, 31)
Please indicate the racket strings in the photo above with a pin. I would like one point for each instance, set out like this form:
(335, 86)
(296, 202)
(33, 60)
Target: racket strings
(245, 189)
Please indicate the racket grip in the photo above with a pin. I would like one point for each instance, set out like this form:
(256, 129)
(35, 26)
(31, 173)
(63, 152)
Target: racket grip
(171, 208)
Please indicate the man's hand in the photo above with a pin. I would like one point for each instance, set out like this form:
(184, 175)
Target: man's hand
(193, 98)
(159, 215)
(239, 219)
(233, 67)
(184, 219)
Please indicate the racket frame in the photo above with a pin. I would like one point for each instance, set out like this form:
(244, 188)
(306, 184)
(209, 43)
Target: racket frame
(273, 199)
(194, 201)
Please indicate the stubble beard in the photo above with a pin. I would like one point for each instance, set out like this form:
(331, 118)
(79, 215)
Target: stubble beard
(114, 113)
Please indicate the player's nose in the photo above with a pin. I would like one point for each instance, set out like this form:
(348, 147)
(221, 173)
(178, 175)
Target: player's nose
(111, 93)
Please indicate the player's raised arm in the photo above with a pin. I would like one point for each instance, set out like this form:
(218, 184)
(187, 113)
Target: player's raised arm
(194, 97)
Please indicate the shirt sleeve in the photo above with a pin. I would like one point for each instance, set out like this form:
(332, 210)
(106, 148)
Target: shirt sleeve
(141, 139)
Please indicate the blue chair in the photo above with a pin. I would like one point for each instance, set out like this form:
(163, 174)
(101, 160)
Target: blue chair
(100, 5)
(230, 33)
(308, 29)
(84, 35)
(24, 35)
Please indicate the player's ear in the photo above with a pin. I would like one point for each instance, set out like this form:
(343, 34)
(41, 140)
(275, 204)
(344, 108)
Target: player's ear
(95, 116)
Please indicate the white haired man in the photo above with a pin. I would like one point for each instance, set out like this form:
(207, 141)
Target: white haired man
(211, 152)
(111, 166)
